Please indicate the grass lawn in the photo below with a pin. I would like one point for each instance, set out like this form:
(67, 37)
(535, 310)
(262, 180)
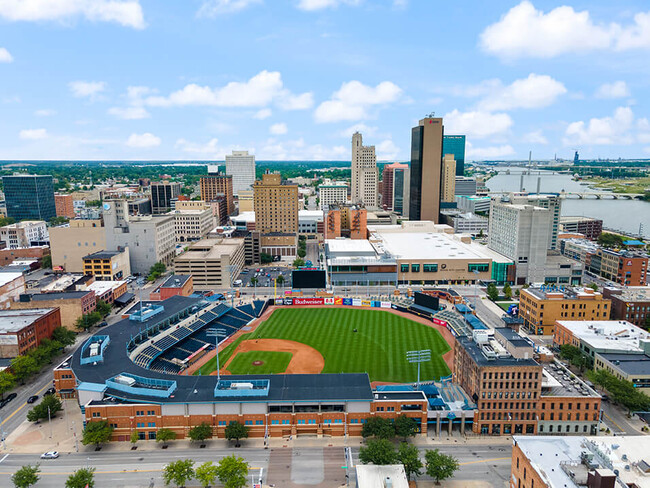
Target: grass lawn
(378, 347)
(274, 362)
(505, 305)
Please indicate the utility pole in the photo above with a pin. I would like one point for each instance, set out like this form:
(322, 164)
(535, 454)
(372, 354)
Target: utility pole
(49, 417)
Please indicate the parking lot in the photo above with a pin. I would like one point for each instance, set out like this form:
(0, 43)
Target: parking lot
(265, 276)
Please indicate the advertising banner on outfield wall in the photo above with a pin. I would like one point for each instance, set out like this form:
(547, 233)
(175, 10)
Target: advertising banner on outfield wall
(385, 304)
(307, 301)
(366, 303)
(375, 303)
(329, 301)
(439, 322)
(338, 301)
(279, 301)
(348, 301)
(356, 302)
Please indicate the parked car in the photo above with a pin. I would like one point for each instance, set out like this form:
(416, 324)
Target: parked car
(50, 391)
(3, 403)
(103, 323)
(50, 455)
(32, 399)
(11, 396)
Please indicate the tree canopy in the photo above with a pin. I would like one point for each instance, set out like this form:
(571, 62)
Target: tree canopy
(206, 473)
(201, 432)
(409, 457)
(379, 427)
(82, 478)
(40, 411)
(163, 435)
(26, 476)
(232, 471)
(178, 472)
(440, 466)
(405, 426)
(378, 451)
(235, 431)
(621, 391)
(98, 432)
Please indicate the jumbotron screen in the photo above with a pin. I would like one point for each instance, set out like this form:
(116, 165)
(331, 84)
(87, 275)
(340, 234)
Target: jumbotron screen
(308, 278)
(425, 300)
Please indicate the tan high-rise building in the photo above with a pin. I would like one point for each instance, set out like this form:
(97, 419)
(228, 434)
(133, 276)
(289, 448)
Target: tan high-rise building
(426, 169)
(70, 244)
(245, 199)
(276, 215)
(216, 185)
(448, 186)
(365, 175)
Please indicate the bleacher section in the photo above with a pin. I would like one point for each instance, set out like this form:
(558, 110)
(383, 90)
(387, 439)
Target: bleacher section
(188, 339)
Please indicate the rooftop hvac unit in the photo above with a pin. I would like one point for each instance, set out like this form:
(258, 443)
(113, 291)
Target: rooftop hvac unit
(241, 386)
(388, 483)
(124, 380)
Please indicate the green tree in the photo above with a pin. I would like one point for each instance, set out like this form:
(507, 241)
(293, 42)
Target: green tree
(378, 451)
(266, 258)
(165, 435)
(440, 466)
(279, 280)
(156, 271)
(23, 367)
(135, 437)
(507, 291)
(64, 336)
(254, 281)
(409, 456)
(7, 382)
(6, 221)
(86, 321)
(103, 308)
(48, 408)
(26, 476)
(647, 322)
(298, 262)
(201, 432)
(235, 431)
(97, 433)
(405, 427)
(178, 472)
(54, 221)
(492, 292)
(302, 253)
(206, 473)
(379, 427)
(621, 391)
(46, 262)
(607, 239)
(82, 478)
(232, 471)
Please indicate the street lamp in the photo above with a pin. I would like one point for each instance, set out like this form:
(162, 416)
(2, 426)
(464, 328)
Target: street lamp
(216, 333)
(418, 357)
(475, 288)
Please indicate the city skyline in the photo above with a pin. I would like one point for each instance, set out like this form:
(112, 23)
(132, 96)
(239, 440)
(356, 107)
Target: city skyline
(98, 79)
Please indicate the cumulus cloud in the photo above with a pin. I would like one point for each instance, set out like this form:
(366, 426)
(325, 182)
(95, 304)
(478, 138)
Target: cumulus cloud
(261, 90)
(5, 56)
(124, 12)
(210, 149)
(489, 152)
(262, 114)
(353, 99)
(298, 149)
(387, 150)
(278, 129)
(525, 31)
(32, 134)
(311, 5)
(366, 130)
(535, 137)
(214, 8)
(477, 124)
(44, 112)
(143, 140)
(617, 89)
(535, 91)
(129, 113)
(82, 89)
(615, 129)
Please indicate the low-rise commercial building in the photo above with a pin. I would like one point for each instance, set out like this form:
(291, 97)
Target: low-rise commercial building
(72, 304)
(628, 268)
(23, 330)
(589, 227)
(70, 243)
(107, 291)
(12, 285)
(335, 193)
(541, 307)
(182, 285)
(578, 249)
(213, 263)
(192, 224)
(108, 265)
(24, 234)
(310, 222)
(346, 221)
(465, 186)
(601, 336)
(473, 203)
(469, 223)
(631, 303)
(632, 367)
(8, 256)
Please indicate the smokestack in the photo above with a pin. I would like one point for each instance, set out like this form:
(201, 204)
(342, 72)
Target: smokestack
(521, 183)
(539, 183)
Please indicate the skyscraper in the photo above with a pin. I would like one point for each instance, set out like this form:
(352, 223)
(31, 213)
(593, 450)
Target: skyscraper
(29, 197)
(365, 175)
(455, 145)
(448, 186)
(426, 169)
(241, 166)
(162, 195)
(395, 188)
(215, 186)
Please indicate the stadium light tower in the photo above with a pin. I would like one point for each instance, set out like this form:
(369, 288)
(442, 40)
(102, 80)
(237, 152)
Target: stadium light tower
(418, 357)
(216, 333)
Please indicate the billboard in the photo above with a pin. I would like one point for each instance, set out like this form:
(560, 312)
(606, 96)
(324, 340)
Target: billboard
(302, 278)
(356, 302)
(348, 301)
(308, 301)
(328, 301)
(427, 301)
(439, 322)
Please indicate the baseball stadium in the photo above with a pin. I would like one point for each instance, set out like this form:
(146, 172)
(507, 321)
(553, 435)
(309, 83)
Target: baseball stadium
(287, 367)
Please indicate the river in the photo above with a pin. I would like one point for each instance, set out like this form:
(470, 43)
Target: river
(623, 215)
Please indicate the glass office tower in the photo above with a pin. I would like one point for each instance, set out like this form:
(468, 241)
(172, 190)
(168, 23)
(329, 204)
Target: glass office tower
(455, 145)
(29, 197)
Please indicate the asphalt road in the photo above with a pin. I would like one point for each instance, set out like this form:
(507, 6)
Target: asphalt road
(142, 468)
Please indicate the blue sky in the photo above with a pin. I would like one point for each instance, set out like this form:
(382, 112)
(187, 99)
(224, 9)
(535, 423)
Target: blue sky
(292, 79)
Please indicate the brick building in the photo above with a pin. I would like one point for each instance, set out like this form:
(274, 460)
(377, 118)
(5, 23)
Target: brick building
(73, 304)
(174, 285)
(64, 205)
(23, 330)
(8, 256)
(631, 303)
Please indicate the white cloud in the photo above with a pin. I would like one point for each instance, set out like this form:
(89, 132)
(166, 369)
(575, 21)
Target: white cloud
(311, 5)
(262, 114)
(32, 134)
(278, 129)
(643, 125)
(82, 89)
(536, 91)
(525, 31)
(606, 130)
(478, 124)
(489, 152)
(124, 12)
(617, 89)
(143, 140)
(129, 113)
(387, 150)
(5, 56)
(366, 130)
(45, 112)
(261, 90)
(213, 8)
(353, 99)
(535, 137)
(298, 149)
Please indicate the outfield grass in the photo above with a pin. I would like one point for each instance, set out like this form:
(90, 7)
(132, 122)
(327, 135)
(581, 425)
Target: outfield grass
(378, 347)
(274, 362)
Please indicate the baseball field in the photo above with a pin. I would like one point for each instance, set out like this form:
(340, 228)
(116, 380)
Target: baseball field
(335, 340)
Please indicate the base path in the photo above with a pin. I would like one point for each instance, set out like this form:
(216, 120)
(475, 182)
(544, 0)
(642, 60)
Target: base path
(304, 359)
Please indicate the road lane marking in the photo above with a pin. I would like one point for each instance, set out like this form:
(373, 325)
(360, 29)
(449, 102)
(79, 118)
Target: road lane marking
(484, 461)
(22, 406)
(6, 456)
(612, 421)
(104, 472)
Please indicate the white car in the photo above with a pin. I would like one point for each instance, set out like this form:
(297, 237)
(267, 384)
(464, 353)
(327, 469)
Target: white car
(50, 455)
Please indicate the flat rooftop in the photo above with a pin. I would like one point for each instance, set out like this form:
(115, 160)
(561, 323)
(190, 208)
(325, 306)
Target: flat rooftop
(557, 380)
(8, 277)
(634, 294)
(16, 320)
(475, 352)
(607, 335)
(211, 249)
(548, 453)
(564, 293)
(633, 364)
(175, 280)
(371, 476)
(103, 255)
(101, 287)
